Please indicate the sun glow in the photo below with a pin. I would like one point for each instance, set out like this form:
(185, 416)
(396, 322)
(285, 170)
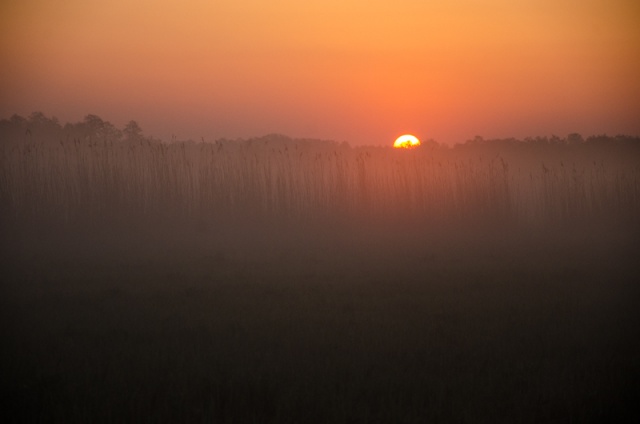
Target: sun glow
(406, 141)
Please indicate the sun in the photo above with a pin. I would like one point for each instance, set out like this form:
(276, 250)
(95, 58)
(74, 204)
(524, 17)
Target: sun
(406, 141)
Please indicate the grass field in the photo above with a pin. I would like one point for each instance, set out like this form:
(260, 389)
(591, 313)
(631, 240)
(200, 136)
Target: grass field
(370, 287)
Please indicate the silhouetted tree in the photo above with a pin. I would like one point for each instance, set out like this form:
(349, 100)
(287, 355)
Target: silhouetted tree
(555, 140)
(132, 132)
(17, 120)
(95, 127)
(476, 140)
(598, 140)
(14, 129)
(39, 119)
(40, 127)
(574, 138)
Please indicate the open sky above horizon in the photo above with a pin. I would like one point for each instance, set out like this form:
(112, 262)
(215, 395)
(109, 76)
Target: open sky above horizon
(360, 71)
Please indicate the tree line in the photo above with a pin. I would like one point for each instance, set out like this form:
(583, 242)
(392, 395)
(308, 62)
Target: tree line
(40, 128)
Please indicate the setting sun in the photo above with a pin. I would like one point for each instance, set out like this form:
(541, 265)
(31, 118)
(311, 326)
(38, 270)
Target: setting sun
(406, 141)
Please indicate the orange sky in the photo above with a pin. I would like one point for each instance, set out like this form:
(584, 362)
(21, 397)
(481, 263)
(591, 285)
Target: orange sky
(360, 71)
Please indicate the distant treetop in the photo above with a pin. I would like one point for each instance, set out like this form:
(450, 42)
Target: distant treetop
(37, 127)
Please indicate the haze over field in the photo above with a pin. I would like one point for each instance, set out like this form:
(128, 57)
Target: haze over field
(360, 71)
(261, 253)
(284, 280)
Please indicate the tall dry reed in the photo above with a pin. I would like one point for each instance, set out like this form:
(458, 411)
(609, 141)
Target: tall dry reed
(275, 178)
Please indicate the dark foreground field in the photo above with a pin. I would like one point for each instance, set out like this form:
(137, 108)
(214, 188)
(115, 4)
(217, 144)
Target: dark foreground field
(391, 327)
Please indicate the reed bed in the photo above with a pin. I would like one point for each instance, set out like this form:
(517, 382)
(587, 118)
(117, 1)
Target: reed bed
(278, 179)
(116, 310)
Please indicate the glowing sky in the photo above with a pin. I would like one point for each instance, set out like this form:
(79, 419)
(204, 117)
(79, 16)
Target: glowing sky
(364, 71)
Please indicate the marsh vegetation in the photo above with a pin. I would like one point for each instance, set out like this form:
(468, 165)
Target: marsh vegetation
(283, 280)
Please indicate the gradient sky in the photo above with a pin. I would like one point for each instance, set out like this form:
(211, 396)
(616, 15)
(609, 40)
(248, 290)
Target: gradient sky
(360, 71)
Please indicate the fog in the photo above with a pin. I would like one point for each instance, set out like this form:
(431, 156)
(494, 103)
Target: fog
(279, 279)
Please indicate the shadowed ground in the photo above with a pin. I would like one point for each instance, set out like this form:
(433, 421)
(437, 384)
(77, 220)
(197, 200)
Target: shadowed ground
(320, 326)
